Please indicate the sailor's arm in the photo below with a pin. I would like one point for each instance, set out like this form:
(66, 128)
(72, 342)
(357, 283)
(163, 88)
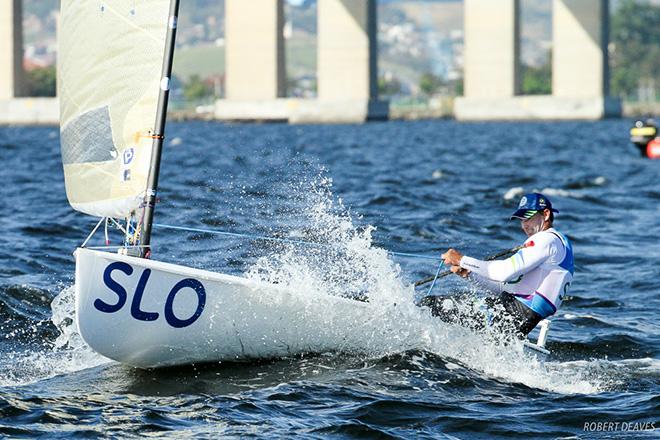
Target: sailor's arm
(485, 283)
(526, 259)
(503, 271)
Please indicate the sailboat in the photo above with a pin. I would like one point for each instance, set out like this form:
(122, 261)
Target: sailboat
(114, 69)
(114, 64)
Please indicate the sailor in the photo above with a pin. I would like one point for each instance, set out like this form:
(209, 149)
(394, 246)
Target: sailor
(527, 287)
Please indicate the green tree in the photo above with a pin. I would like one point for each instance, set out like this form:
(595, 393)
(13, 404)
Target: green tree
(458, 87)
(537, 80)
(389, 87)
(635, 38)
(195, 89)
(430, 83)
(41, 81)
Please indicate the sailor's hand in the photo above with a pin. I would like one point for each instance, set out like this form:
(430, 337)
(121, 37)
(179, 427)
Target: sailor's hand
(452, 257)
(458, 270)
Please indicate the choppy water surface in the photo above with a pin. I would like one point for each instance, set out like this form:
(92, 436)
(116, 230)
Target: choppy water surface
(423, 186)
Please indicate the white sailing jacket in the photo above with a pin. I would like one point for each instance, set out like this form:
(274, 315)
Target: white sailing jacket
(539, 274)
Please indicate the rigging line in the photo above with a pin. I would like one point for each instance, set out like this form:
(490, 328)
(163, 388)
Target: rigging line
(437, 273)
(128, 230)
(284, 240)
(405, 254)
(92, 233)
(118, 225)
(107, 240)
(133, 231)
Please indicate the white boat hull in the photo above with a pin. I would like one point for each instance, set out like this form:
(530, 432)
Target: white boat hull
(147, 314)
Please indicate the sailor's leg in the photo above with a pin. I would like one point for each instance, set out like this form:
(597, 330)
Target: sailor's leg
(525, 319)
(512, 316)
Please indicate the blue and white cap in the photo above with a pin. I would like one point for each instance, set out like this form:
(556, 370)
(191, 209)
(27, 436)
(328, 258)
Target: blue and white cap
(530, 204)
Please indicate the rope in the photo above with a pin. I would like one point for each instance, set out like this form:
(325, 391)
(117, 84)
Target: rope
(118, 225)
(435, 278)
(107, 240)
(405, 254)
(283, 240)
(92, 233)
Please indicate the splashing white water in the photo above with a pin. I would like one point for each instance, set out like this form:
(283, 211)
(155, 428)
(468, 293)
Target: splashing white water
(558, 192)
(346, 264)
(68, 353)
(514, 193)
(342, 261)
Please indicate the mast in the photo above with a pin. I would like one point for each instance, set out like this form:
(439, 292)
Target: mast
(159, 131)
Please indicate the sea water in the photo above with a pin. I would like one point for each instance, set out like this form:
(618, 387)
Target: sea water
(355, 192)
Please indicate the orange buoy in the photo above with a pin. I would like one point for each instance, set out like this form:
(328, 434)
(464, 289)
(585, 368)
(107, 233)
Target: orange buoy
(653, 149)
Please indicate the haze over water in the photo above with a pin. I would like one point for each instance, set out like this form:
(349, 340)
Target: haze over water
(424, 186)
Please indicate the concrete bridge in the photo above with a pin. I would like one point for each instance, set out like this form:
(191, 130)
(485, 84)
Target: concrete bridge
(14, 108)
(347, 64)
(580, 73)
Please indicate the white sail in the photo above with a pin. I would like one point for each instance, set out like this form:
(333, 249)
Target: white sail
(109, 72)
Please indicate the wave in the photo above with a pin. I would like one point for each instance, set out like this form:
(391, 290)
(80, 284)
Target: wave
(560, 192)
(514, 193)
(571, 190)
(583, 183)
(24, 313)
(612, 346)
(24, 301)
(591, 303)
(61, 349)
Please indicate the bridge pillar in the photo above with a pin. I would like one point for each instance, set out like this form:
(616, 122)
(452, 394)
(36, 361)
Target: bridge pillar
(254, 58)
(579, 48)
(492, 30)
(11, 49)
(15, 108)
(347, 67)
(580, 67)
(491, 66)
(347, 70)
(254, 61)
(347, 64)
